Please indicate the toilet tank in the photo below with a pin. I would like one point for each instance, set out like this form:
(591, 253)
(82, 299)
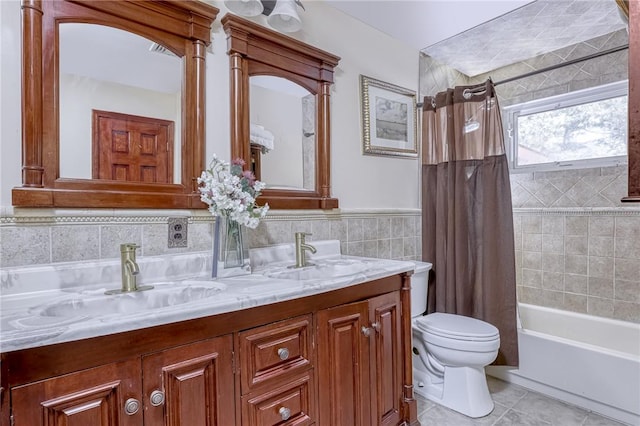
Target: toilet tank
(419, 284)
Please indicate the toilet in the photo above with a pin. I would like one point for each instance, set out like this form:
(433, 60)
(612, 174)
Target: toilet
(450, 353)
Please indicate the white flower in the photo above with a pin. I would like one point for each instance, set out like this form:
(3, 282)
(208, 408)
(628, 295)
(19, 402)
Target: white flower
(229, 191)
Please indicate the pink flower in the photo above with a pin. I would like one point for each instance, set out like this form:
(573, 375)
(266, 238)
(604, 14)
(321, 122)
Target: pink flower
(249, 176)
(238, 162)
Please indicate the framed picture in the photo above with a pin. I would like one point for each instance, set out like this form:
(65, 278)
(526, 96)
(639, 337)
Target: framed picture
(388, 119)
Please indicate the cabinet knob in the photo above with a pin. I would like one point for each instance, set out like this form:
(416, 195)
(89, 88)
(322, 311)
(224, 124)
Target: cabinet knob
(366, 331)
(131, 406)
(156, 398)
(376, 326)
(283, 353)
(285, 413)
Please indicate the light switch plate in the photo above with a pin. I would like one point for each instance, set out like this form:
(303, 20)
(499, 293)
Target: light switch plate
(177, 232)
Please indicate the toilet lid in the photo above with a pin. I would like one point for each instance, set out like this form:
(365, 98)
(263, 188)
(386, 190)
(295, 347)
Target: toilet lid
(457, 327)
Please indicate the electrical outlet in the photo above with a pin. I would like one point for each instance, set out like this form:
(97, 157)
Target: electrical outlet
(177, 232)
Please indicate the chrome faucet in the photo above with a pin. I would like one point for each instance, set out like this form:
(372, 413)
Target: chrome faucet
(130, 270)
(301, 248)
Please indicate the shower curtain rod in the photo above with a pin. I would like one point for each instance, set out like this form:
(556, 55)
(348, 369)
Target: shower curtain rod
(553, 67)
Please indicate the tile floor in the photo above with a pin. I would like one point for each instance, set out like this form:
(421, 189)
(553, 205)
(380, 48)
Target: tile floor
(514, 406)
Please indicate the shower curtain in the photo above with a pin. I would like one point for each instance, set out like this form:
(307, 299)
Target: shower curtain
(467, 218)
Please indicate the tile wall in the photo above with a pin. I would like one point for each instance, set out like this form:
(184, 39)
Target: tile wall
(33, 237)
(436, 77)
(594, 72)
(577, 245)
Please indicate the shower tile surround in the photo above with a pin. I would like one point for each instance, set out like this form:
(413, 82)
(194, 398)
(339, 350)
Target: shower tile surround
(578, 250)
(39, 237)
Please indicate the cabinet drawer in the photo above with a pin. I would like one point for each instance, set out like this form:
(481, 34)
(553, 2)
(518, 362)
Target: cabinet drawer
(293, 403)
(274, 350)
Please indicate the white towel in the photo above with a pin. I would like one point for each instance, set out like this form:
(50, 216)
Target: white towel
(261, 136)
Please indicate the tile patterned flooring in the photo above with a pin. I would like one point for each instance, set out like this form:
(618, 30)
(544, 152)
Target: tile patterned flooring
(514, 405)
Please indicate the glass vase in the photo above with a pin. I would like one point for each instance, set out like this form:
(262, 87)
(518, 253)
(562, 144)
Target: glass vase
(230, 249)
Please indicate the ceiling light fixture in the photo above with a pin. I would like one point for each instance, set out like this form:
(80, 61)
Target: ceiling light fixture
(281, 14)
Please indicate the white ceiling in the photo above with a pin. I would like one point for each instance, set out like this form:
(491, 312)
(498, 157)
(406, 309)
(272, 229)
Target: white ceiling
(422, 23)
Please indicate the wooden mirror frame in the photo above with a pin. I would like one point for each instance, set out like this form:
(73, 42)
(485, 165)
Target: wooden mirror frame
(184, 27)
(256, 50)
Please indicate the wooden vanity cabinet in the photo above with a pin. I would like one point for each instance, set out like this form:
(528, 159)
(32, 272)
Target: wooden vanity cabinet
(339, 358)
(277, 373)
(190, 385)
(186, 385)
(93, 397)
(359, 354)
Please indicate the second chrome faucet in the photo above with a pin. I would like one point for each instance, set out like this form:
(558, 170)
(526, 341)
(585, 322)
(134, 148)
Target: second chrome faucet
(301, 248)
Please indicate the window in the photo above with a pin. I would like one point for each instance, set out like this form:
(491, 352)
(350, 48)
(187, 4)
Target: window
(587, 128)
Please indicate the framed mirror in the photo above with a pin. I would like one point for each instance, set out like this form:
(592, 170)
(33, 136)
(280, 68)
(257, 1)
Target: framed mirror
(113, 103)
(271, 99)
(280, 95)
(110, 77)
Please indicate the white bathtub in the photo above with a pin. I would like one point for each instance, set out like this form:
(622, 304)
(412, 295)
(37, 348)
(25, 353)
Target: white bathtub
(584, 360)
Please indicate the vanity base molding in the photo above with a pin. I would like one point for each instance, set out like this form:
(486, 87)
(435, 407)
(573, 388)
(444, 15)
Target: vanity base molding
(334, 358)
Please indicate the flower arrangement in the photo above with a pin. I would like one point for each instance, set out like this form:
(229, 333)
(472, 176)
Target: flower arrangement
(231, 191)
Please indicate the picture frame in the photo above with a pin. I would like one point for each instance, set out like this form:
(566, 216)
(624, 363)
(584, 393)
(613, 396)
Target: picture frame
(388, 119)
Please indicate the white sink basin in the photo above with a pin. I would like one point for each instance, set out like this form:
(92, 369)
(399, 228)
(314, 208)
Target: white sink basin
(322, 269)
(161, 296)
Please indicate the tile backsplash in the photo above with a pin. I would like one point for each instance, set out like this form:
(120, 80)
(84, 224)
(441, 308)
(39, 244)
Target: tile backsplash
(42, 237)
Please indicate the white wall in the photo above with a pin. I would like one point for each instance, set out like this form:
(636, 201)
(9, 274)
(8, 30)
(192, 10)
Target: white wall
(358, 181)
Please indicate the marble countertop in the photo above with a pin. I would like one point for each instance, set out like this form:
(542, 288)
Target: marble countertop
(61, 303)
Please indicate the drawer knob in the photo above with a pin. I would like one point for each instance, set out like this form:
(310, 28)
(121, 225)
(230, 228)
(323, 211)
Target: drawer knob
(285, 413)
(131, 406)
(283, 353)
(156, 398)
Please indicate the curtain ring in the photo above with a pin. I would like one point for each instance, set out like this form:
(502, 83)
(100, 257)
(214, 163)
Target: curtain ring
(466, 93)
(433, 103)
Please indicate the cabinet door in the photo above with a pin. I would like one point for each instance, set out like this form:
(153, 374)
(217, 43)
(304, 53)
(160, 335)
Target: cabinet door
(190, 385)
(343, 366)
(387, 365)
(95, 397)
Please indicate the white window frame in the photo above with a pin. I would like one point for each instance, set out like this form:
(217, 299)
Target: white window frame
(512, 112)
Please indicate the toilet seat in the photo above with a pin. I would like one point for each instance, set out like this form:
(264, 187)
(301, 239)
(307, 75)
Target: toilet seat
(457, 327)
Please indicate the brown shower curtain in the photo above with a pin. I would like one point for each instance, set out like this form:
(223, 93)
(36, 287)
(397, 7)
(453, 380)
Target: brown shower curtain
(467, 218)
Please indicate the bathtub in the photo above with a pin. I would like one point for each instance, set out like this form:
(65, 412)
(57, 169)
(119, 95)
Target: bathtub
(584, 360)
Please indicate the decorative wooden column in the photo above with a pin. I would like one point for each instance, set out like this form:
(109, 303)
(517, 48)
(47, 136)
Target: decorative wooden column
(239, 97)
(409, 404)
(32, 168)
(324, 139)
(194, 131)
